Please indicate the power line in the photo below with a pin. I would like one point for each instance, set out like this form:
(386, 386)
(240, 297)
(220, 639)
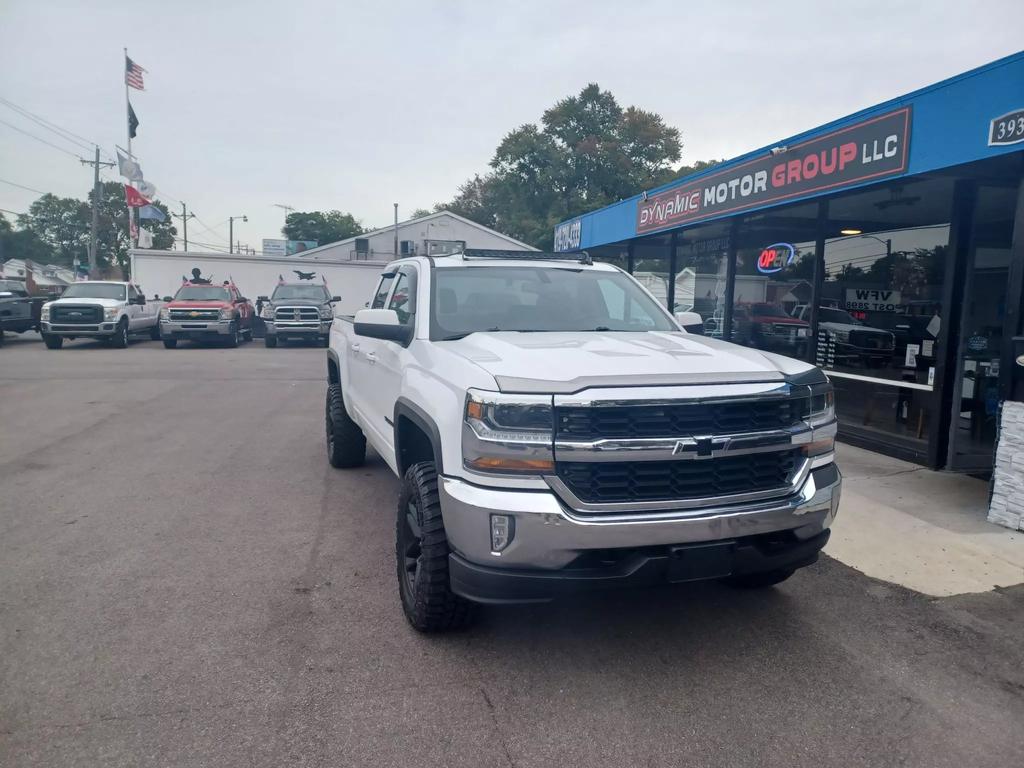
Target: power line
(40, 139)
(65, 134)
(16, 213)
(22, 186)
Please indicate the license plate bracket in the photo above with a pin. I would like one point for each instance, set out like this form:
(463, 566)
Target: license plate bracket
(701, 561)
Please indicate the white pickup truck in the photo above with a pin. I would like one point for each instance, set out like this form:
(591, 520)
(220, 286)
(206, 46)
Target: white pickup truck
(102, 309)
(556, 430)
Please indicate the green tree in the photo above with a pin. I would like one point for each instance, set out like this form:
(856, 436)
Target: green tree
(323, 226)
(587, 152)
(57, 229)
(61, 223)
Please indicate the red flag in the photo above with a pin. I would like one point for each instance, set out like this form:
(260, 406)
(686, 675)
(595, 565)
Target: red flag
(133, 198)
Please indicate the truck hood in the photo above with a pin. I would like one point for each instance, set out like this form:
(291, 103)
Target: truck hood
(99, 302)
(295, 303)
(198, 304)
(570, 362)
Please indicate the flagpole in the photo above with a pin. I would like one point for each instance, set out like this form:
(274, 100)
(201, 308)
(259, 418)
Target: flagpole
(128, 130)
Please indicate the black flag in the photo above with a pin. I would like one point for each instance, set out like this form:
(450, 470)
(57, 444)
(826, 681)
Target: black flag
(133, 121)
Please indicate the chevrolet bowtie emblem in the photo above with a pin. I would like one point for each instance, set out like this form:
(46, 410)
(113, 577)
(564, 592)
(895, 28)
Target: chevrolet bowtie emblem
(698, 447)
(193, 313)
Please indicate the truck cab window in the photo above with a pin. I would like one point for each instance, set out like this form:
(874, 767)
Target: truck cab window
(382, 292)
(403, 299)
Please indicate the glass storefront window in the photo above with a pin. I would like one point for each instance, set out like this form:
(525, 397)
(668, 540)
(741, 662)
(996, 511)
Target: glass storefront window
(652, 265)
(881, 307)
(701, 272)
(775, 280)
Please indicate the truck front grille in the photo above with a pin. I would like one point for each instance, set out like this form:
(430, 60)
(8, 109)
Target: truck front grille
(73, 314)
(677, 419)
(195, 315)
(639, 481)
(297, 314)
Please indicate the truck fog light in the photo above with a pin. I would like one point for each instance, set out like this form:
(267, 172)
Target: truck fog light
(503, 528)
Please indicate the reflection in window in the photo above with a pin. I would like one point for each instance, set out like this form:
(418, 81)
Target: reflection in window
(652, 264)
(701, 271)
(880, 311)
(775, 281)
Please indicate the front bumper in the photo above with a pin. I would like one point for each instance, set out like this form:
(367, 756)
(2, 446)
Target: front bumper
(180, 329)
(551, 541)
(105, 328)
(297, 329)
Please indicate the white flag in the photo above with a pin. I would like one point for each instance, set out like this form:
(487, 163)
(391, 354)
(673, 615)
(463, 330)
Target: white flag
(146, 188)
(128, 167)
(145, 238)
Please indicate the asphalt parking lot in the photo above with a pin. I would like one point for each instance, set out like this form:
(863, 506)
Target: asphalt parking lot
(184, 581)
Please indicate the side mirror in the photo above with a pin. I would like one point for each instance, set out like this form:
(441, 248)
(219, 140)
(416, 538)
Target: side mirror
(242, 300)
(382, 324)
(335, 298)
(140, 300)
(262, 298)
(168, 298)
(692, 322)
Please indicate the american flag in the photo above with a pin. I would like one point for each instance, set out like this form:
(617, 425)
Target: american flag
(133, 74)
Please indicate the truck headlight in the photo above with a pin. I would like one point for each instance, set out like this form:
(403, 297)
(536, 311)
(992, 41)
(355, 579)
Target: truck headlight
(111, 313)
(165, 314)
(821, 417)
(44, 313)
(508, 434)
(227, 313)
(326, 313)
(267, 313)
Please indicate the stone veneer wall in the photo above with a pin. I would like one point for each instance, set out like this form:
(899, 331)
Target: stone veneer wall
(1007, 504)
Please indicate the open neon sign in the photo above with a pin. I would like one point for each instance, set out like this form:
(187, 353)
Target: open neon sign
(775, 258)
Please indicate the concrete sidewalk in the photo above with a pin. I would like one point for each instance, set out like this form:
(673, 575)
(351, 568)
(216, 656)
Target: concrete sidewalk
(921, 529)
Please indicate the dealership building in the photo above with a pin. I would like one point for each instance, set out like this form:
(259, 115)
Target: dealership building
(887, 247)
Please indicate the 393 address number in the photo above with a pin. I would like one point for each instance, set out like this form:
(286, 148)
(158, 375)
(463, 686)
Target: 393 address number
(1007, 129)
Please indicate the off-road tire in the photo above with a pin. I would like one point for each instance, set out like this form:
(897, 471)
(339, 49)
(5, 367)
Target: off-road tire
(53, 342)
(236, 336)
(120, 338)
(346, 443)
(422, 557)
(170, 343)
(270, 341)
(759, 580)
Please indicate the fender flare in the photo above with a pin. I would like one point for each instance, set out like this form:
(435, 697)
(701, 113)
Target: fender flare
(332, 356)
(405, 408)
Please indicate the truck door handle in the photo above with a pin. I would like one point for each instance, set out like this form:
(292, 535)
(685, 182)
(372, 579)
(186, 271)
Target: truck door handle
(371, 358)
(355, 347)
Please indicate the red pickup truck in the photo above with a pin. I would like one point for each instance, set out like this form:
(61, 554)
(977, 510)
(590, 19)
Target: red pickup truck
(204, 312)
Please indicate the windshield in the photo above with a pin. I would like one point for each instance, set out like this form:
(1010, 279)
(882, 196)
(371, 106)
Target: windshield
(94, 291)
(307, 292)
(202, 293)
(767, 310)
(470, 299)
(827, 315)
(12, 286)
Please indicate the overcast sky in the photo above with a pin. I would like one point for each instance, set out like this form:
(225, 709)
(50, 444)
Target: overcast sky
(354, 106)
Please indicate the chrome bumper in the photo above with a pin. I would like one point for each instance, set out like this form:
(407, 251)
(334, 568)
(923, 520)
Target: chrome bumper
(548, 535)
(297, 328)
(105, 328)
(171, 328)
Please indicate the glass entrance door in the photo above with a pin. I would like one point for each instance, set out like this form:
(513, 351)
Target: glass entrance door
(976, 400)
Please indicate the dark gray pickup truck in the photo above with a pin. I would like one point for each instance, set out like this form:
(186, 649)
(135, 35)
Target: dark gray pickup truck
(299, 311)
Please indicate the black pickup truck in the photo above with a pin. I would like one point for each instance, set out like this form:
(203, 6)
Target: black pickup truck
(19, 312)
(297, 311)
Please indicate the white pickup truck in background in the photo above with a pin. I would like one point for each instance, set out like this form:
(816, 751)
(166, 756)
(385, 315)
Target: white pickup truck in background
(111, 311)
(556, 430)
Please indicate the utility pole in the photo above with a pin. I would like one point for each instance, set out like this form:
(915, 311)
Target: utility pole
(396, 230)
(94, 229)
(231, 231)
(184, 216)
